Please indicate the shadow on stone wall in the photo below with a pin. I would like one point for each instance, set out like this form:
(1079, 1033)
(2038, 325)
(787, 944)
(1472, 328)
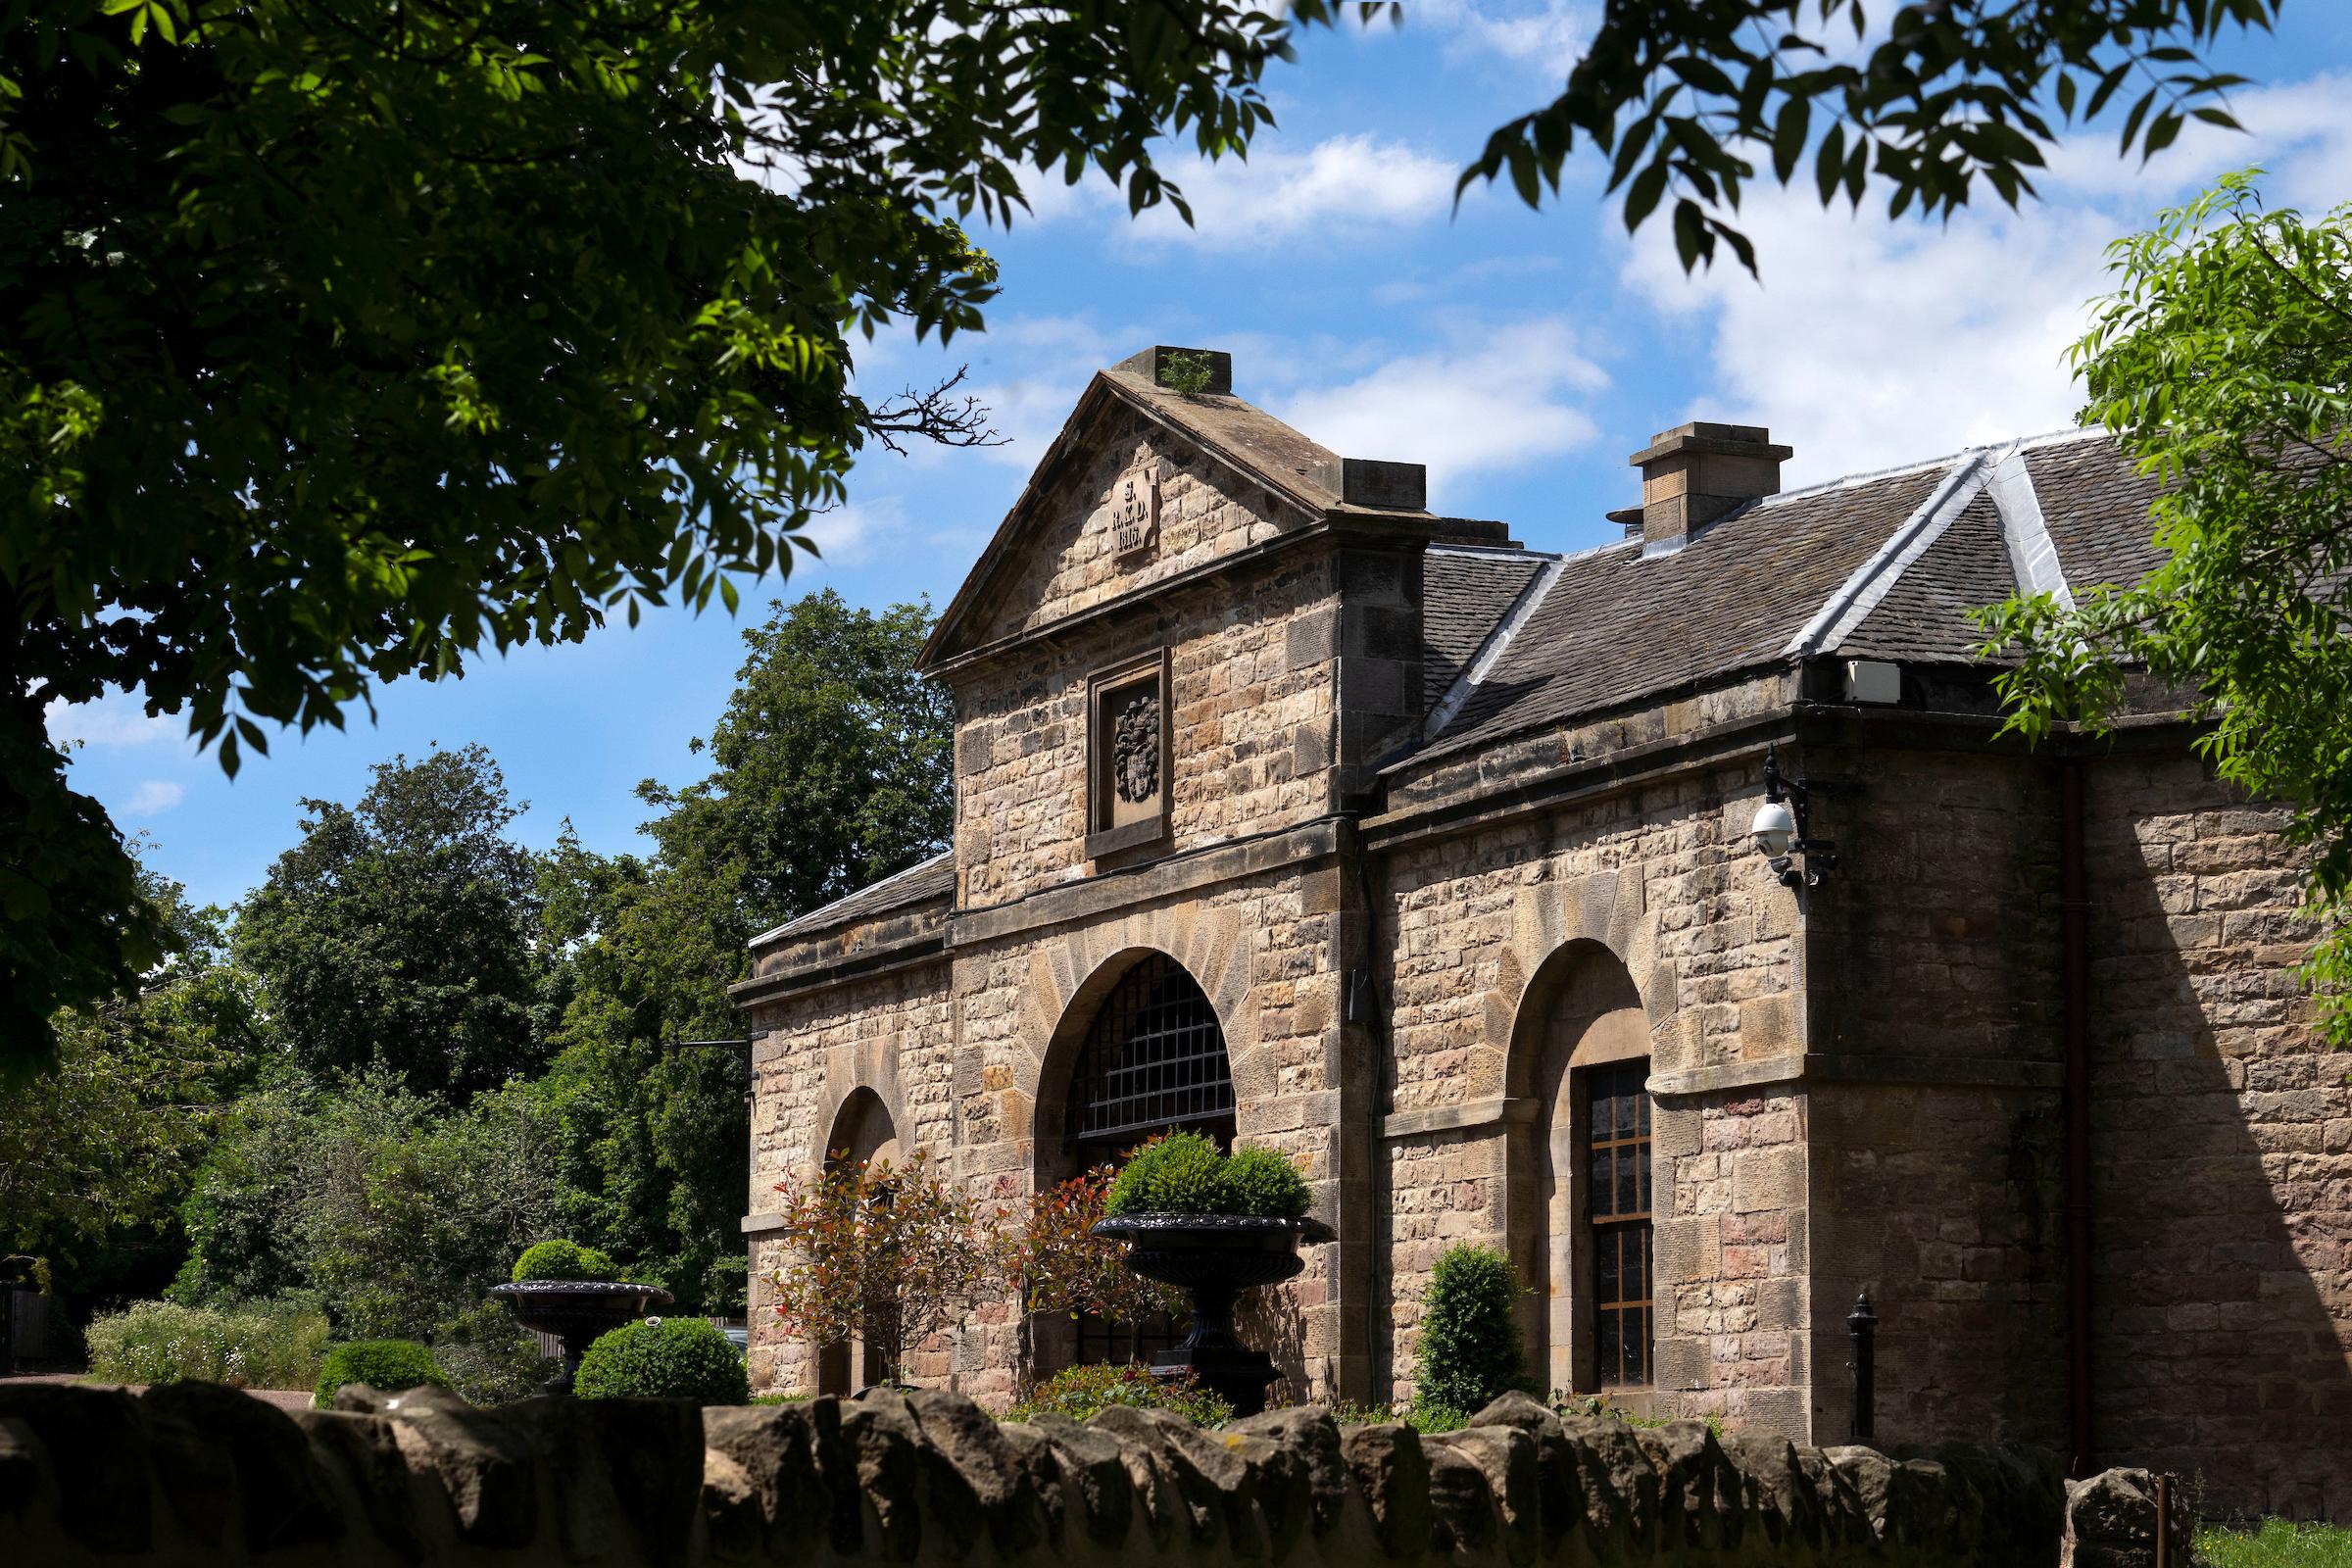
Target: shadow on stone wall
(194, 1474)
(2223, 1167)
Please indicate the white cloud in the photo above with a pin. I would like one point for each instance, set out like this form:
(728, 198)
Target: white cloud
(1339, 186)
(1496, 397)
(1870, 343)
(1548, 37)
(153, 797)
(850, 533)
(118, 718)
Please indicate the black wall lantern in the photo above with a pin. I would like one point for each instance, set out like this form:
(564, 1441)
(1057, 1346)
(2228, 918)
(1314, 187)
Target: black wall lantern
(1782, 828)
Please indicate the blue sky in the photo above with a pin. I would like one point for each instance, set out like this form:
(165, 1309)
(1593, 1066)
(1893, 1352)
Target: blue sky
(1521, 356)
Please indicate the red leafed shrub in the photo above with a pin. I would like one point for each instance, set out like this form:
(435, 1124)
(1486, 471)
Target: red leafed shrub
(883, 1254)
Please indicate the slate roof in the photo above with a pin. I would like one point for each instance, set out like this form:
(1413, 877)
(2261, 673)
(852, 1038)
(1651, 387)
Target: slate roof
(934, 878)
(1465, 595)
(1924, 614)
(1881, 566)
(2097, 508)
(1614, 625)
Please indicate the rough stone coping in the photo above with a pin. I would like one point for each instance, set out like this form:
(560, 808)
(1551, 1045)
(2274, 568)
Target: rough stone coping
(198, 1474)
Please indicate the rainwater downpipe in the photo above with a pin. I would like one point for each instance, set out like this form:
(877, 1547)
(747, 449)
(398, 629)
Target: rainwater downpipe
(2074, 979)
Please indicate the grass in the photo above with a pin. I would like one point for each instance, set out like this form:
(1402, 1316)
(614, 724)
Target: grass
(262, 1345)
(2277, 1543)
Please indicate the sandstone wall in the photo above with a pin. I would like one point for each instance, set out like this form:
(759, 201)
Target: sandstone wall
(196, 1475)
(1662, 879)
(2223, 1136)
(1206, 512)
(892, 1033)
(1264, 945)
(1936, 1115)
(1252, 704)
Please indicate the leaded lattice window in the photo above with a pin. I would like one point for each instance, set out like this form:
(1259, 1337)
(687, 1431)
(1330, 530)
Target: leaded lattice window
(1154, 1059)
(1619, 1213)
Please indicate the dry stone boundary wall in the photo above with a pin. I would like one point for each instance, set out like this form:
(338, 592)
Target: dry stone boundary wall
(199, 1475)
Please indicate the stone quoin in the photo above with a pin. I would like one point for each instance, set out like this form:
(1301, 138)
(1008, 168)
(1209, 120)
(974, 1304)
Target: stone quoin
(1292, 812)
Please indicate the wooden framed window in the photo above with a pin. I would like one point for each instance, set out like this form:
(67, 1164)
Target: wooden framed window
(1127, 757)
(1617, 1211)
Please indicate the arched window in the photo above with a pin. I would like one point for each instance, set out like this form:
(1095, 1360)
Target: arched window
(1154, 1059)
(1581, 1224)
(863, 1134)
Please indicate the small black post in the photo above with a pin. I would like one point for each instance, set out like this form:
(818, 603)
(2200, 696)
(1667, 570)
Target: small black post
(1863, 1324)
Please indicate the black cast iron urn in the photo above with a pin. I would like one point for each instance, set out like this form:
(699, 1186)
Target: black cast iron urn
(1212, 1258)
(575, 1312)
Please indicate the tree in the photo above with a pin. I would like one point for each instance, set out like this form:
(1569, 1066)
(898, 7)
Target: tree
(404, 931)
(832, 770)
(339, 340)
(2222, 362)
(888, 1255)
(95, 1155)
(1689, 99)
(834, 767)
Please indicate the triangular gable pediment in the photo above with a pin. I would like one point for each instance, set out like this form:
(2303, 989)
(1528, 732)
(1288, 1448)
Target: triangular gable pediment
(1215, 442)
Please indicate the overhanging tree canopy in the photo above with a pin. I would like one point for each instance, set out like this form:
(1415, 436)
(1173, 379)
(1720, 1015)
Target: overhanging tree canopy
(339, 339)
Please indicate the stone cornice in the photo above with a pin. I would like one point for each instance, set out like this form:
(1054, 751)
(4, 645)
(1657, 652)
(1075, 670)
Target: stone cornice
(1132, 887)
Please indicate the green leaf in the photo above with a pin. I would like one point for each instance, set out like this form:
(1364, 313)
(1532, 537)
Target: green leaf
(1788, 137)
(1641, 197)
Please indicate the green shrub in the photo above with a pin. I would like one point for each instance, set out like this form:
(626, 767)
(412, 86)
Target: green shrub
(388, 1365)
(1182, 1173)
(1470, 1352)
(663, 1358)
(1175, 1173)
(1079, 1391)
(563, 1261)
(1261, 1182)
(266, 1345)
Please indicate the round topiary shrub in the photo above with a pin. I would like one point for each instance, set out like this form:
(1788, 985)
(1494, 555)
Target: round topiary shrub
(1079, 1391)
(386, 1364)
(663, 1358)
(563, 1261)
(1470, 1350)
(1175, 1173)
(1262, 1183)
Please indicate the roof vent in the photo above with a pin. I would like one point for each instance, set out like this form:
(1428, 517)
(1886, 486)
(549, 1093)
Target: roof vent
(1695, 474)
(1156, 363)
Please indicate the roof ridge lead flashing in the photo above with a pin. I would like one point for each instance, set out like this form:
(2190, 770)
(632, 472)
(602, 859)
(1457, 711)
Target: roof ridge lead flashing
(2034, 557)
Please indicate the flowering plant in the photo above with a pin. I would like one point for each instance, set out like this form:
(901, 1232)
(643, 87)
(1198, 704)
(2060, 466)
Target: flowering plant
(881, 1252)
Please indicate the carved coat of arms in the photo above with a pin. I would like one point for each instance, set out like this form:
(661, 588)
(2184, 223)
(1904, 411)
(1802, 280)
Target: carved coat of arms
(1135, 749)
(1134, 509)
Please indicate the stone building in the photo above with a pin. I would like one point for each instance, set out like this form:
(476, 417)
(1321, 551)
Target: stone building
(1290, 810)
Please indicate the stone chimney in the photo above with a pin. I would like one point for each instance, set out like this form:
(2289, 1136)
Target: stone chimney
(1695, 474)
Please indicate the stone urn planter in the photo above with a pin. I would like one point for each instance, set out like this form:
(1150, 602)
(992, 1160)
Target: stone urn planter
(1212, 1258)
(575, 1312)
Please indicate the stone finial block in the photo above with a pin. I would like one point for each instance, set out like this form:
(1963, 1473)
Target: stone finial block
(1366, 482)
(1152, 365)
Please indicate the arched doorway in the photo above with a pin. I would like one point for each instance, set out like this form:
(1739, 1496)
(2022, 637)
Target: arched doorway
(1153, 1058)
(863, 1134)
(1581, 1221)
